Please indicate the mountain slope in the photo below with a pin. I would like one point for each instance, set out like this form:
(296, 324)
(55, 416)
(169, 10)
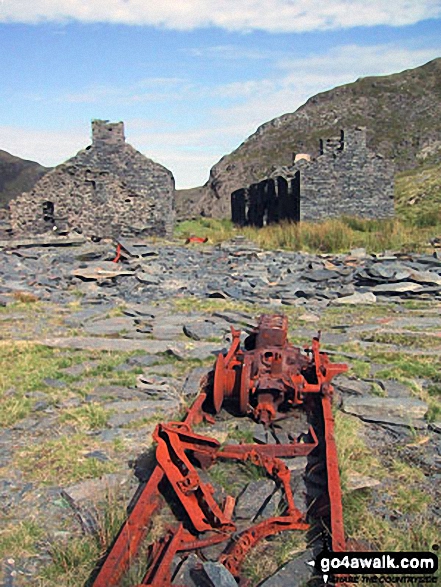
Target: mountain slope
(17, 176)
(402, 113)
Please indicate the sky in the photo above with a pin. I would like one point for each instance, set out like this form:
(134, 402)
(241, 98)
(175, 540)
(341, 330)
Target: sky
(191, 79)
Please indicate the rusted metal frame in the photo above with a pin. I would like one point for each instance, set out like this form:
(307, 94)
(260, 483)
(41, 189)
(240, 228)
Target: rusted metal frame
(195, 496)
(273, 466)
(159, 573)
(293, 449)
(236, 553)
(127, 544)
(235, 344)
(334, 487)
(134, 530)
(176, 540)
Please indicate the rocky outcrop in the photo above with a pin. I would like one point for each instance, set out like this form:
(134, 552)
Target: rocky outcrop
(106, 190)
(402, 114)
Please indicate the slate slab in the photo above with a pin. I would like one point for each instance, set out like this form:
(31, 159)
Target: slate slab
(218, 575)
(43, 241)
(400, 411)
(355, 299)
(203, 329)
(99, 270)
(147, 278)
(397, 288)
(137, 248)
(296, 572)
(254, 498)
(353, 386)
(185, 574)
(93, 489)
(356, 481)
(109, 326)
(143, 360)
(192, 383)
(149, 409)
(429, 277)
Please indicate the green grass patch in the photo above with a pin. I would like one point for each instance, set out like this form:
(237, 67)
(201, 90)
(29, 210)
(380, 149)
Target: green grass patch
(62, 461)
(24, 367)
(410, 500)
(419, 341)
(143, 421)
(362, 524)
(89, 417)
(402, 471)
(215, 230)
(353, 454)
(358, 368)
(377, 390)
(74, 559)
(418, 195)
(13, 409)
(402, 365)
(20, 539)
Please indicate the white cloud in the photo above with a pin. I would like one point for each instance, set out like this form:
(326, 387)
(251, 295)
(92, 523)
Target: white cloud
(304, 77)
(269, 15)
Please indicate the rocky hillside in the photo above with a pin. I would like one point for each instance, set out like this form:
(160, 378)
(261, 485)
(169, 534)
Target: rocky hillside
(17, 176)
(402, 113)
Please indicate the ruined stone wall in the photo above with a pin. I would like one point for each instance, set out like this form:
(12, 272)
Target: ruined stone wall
(267, 202)
(108, 189)
(345, 179)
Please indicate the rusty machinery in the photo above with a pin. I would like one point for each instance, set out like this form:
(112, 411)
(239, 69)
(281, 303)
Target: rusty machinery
(271, 375)
(268, 379)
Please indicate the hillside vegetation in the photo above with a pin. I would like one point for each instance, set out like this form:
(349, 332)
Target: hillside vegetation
(402, 114)
(418, 195)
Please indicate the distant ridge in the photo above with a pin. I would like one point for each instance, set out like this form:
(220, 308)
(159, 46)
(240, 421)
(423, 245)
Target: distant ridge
(17, 176)
(402, 113)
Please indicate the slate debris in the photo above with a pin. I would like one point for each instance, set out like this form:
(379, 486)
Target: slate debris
(233, 270)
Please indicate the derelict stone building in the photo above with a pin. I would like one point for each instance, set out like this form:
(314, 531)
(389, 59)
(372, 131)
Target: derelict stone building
(346, 178)
(106, 190)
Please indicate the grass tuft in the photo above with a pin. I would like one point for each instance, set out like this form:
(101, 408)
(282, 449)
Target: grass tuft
(62, 461)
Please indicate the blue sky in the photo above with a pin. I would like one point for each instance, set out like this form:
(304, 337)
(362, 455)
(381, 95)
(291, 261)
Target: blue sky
(191, 79)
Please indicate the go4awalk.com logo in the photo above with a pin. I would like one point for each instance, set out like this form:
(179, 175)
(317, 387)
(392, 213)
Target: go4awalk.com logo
(417, 568)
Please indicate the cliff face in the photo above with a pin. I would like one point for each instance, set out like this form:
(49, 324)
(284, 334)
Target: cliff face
(402, 114)
(17, 176)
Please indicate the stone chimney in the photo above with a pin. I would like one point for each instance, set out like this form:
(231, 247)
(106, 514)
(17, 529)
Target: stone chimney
(108, 133)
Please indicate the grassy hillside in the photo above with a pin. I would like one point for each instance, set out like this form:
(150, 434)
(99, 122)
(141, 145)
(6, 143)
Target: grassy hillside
(418, 195)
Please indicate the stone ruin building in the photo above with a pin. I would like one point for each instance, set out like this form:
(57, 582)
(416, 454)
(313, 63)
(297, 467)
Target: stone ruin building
(346, 178)
(108, 189)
